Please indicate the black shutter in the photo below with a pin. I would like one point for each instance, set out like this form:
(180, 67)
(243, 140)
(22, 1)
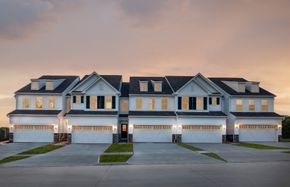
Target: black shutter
(88, 102)
(74, 99)
(205, 103)
(218, 100)
(179, 103)
(101, 102)
(82, 99)
(113, 102)
(190, 103)
(210, 100)
(194, 103)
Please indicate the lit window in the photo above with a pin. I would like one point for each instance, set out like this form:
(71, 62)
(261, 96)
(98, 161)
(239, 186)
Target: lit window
(151, 104)
(25, 102)
(255, 88)
(108, 102)
(157, 86)
(164, 103)
(199, 103)
(185, 104)
(93, 102)
(138, 103)
(242, 87)
(51, 102)
(78, 99)
(252, 105)
(49, 85)
(213, 101)
(34, 85)
(39, 103)
(124, 105)
(239, 105)
(143, 86)
(265, 105)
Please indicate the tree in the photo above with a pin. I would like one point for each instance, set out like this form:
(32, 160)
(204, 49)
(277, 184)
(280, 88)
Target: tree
(286, 127)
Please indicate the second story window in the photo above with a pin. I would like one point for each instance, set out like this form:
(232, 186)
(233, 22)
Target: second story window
(242, 87)
(108, 102)
(143, 86)
(51, 102)
(151, 103)
(252, 105)
(138, 103)
(49, 85)
(199, 103)
(124, 106)
(34, 85)
(265, 105)
(93, 102)
(164, 103)
(185, 104)
(158, 86)
(239, 105)
(39, 103)
(25, 102)
(214, 101)
(78, 99)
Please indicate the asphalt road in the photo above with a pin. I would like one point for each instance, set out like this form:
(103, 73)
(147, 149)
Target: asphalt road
(225, 174)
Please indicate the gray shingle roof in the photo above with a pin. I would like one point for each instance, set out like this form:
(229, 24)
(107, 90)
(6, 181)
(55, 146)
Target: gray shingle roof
(34, 112)
(83, 112)
(114, 80)
(196, 114)
(177, 82)
(219, 82)
(125, 89)
(256, 114)
(68, 80)
(151, 113)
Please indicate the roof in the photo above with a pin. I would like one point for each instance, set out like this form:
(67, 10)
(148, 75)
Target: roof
(196, 114)
(219, 82)
(114, 80)
(83, 112)
(256, 114)
(134, 87)
(151, 113)
(68, 80)
(177, 82)
(125, 89)
(34, 112)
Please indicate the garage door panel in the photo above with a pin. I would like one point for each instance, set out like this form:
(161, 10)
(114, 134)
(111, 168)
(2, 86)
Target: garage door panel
(154, 133)
(257, 133)
(32, 133)
(201, 134)
(92, 134)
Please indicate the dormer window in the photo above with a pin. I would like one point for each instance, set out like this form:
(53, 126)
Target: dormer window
(49, 85)
(143, 86)
(242, 87)
(255, 88)
(158, 86)
(34, 85)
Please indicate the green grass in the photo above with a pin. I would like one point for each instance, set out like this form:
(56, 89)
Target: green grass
(215, 156)
(12, 158)
(259, 146)
(190, 147)
(285, 140)
(41, 150)
(117, 148)
(114, 158)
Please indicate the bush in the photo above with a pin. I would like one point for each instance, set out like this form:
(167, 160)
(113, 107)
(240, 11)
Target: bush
(286, 128)
(4, 133)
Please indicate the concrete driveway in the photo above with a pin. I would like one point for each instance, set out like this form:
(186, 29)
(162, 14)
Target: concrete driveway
(166, 153)
(10, 149)
(70, 155)
(233, 153)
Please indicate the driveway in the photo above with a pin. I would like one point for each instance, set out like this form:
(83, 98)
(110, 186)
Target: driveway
(233, 153)
(10, 149)
(70, 155)
(166, 153)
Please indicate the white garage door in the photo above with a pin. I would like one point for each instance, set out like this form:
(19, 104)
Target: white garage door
(33, 133)
(152, 133)
(201, 134)
(92, 134)
(263, 133)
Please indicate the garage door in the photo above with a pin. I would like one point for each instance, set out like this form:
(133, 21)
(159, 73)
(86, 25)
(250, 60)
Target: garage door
(92, 134)
(33, 133)
(258, 133)
(152, 133)
(201, 134)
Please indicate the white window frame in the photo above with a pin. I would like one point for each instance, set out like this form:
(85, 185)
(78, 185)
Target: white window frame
(143, 86)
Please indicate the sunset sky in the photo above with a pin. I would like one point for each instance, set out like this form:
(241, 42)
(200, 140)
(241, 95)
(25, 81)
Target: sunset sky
(240, 38)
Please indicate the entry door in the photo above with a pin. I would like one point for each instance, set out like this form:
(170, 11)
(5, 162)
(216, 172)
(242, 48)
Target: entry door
(124, 131)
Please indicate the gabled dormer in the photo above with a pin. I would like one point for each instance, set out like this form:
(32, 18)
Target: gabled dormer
(238, 86)
(253, 87)
(143, 85)
(157, 86)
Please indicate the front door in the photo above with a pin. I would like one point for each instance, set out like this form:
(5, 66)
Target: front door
(124, 132)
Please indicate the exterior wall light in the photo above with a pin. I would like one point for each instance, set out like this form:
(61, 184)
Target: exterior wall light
(237, 126)
(279, 126)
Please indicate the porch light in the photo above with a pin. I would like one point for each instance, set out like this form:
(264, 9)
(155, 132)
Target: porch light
(279, 126)
(11, 128)
(69, 127)
(224, 127)
(174, 126)
(237, 126)
(179, 126)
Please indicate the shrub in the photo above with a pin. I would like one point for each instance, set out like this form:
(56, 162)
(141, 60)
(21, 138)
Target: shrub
(286, 128)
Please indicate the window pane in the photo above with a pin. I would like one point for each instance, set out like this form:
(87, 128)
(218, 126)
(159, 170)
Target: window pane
(185, 104)
(213, 100)
(49, 86)
(39, 102)
(143, 86)
(25, 102)
(239, 105)
(199, 103)
(51, 102)
(108, 102)
(138, 103)
(265, 105)
(164, 103)
(252, 105)
(78, 99)
(151, 103)
(124, 105)
(93, 102)
(157, 87)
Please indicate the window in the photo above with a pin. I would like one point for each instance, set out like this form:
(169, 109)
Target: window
(199, 103)
(164, 103)
(39, 103)
(34, 85)
(78, 99)
(108, 102)
(185, 105)
(214, 101)
(51, 102)
(255, 88)
(265, 105)
(25, 102)
(124, 105)
(252, 105)
(143, 86)
(242, 87)
(138, 103)
(101, 102)
(157, 86)
(49, 85)
(239, 105)
(93, 102)
(151, 103)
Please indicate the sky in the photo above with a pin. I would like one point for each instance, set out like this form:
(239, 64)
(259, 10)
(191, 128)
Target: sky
(222, 38)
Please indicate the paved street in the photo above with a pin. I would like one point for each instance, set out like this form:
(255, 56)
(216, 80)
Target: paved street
(70, 155)
(222, 174)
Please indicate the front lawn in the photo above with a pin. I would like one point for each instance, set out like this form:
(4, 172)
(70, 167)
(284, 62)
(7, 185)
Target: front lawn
(114, 158)
(12, 158)
(190, 147)
(215, 156)
(259, 146)
(41, 150)
(117, 148)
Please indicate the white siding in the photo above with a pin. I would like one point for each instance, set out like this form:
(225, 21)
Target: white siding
(145, 103)
(45, 99)
(246, 104)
